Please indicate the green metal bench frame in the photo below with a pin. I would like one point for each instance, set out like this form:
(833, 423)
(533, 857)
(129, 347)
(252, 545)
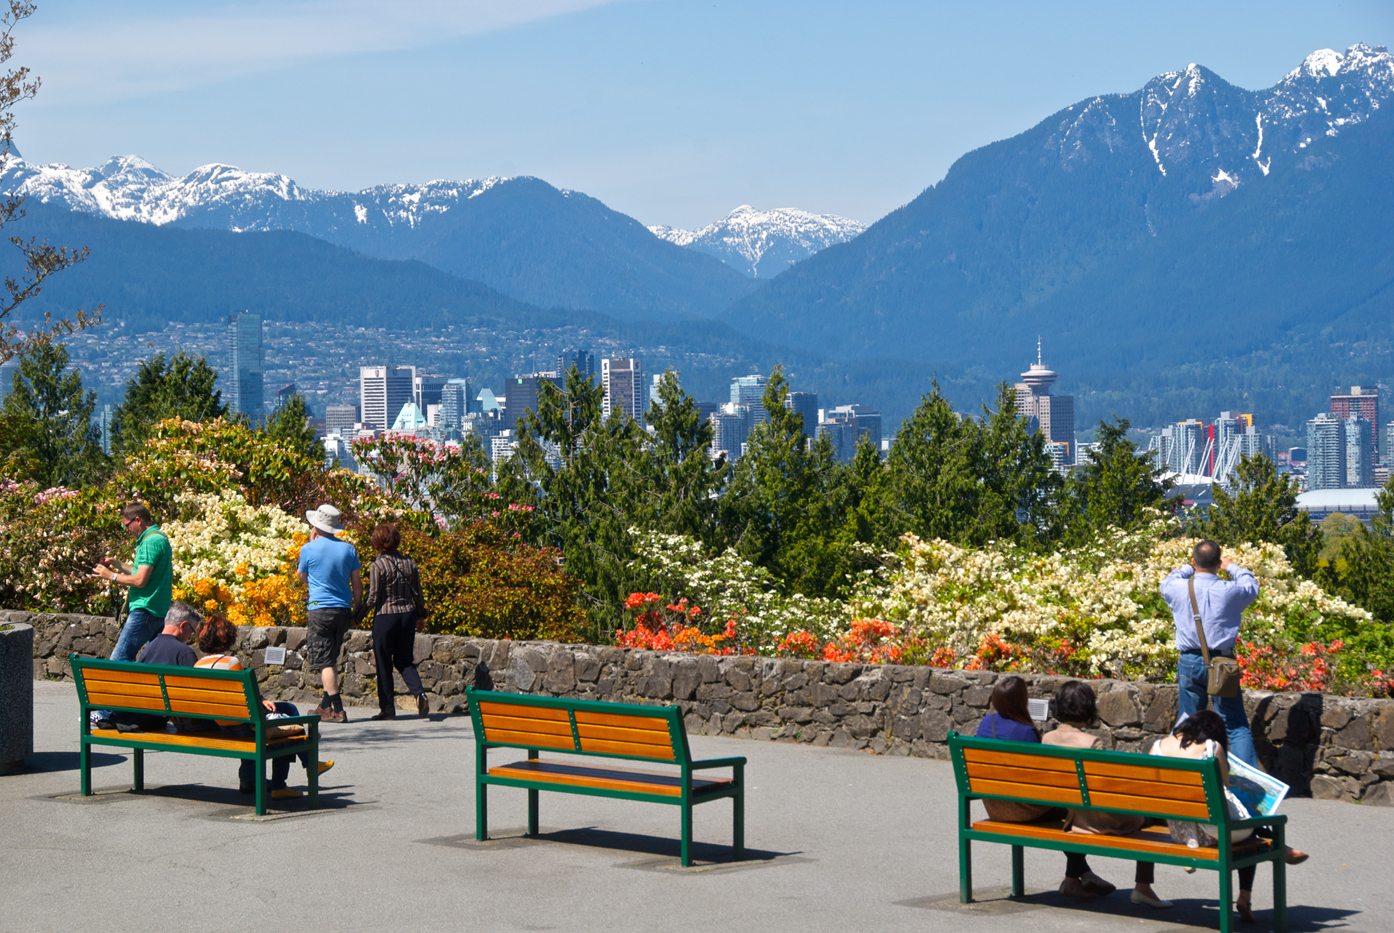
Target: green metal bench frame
(682, 757)
(1209, 769)
(265, 748)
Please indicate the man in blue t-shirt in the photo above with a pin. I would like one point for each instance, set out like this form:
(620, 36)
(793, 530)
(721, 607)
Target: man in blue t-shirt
(330, 567)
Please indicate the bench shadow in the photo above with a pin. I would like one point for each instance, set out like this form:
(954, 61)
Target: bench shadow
(1187, 911)
(230, 797)
(663, 851)
(68, 761)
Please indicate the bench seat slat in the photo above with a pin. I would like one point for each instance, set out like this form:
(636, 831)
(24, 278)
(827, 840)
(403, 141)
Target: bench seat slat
(1023, 775)
(638, 722)
(1153, 840)
(1144, 773)
(1175, 808)
(1059, 795)
(632, 749)
(622, 779)
(523, 711)
(493, 723)
(1017, 760)
(192, 739)
(531, 739)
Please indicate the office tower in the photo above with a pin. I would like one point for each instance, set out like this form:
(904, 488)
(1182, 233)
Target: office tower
(426, 389)
(749, 392)
(340, 419)
(383, 390)
(246, 359)
(845, 425)
(1360, 457)
(706, 409)
(805, 404)
(730, 430)
(623, 379)
(502, 445)
(1326, 453)
(283, 395)
(523, 395)
(105, 424)
(454, 404)
(1363, 402)
(583, 360)
(1052, 415)
(654, 398)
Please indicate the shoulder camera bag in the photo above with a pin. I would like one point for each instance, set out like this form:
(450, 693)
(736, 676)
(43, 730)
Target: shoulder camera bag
(1224, 672)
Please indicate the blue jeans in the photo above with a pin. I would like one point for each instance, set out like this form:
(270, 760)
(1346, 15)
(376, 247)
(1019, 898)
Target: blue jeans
(140, 627)
(280, 767)
(1192, 696)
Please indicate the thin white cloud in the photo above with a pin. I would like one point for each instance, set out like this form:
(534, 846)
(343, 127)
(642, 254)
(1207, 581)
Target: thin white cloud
(103, 52)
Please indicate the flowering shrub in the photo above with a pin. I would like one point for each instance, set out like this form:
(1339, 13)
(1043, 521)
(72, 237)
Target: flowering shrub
(661, 627)
(50, 539)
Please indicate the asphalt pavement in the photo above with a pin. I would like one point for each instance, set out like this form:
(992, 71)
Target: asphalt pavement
(836, 841)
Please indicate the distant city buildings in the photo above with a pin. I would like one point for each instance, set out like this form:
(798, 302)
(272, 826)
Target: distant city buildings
(105, 426)
(1326, 453)
(845, 425)
(523, 395)
(583, 360)
(748, 392)
(1362, 402)
(730, 430)
(805, 404)
(383, 390)
(341, 420)
(8, 370)
(1209, 451)
(283, 396)
(623, 378)
(1051, 415)
(454, 405)
(246, 360)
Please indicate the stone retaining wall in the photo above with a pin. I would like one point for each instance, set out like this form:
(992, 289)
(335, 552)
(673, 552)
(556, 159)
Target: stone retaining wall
(1325, 746)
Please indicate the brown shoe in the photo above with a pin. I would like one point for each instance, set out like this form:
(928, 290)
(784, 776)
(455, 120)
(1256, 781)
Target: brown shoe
(1073, 887)
(329, 715)
(423, 706)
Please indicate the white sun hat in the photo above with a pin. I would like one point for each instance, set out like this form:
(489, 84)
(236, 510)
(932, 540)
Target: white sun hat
(326, 519)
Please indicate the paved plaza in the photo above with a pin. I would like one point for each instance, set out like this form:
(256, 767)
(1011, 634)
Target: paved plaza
(836, 841)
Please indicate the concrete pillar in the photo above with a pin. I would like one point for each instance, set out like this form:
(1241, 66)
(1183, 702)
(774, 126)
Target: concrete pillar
(16, 695)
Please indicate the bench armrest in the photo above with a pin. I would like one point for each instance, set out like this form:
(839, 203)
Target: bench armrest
(292, 721)
(718, 763)
(1277, 819)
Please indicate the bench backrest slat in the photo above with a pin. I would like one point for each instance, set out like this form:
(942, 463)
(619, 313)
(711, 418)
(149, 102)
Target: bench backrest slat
(204, 693)
(584, 727)
(1177, 788)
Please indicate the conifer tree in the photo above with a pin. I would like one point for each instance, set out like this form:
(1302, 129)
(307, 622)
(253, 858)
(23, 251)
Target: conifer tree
(1115, 486)
(52, 416)
(290, 424)
(1263, 507)
(182, 386)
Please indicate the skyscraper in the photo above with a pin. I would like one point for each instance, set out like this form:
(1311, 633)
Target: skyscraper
(246, 359)
(730, 430)
(1363, 402)
(583, 360)
(522, 395)
(625, 391)
(1052, 415)
(1360, 457)
(454, 404)
(806, 405)
(846, 425)
(1326, 453)
(340, 419)
(383, 390)
(749, 391)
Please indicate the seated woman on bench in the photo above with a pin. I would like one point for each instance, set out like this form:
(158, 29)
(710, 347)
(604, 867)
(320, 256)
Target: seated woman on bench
(1075, 708)
(1204, 735)
(216, 637)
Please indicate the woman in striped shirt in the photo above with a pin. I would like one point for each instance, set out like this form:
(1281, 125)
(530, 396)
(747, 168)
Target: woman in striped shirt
(394, 596)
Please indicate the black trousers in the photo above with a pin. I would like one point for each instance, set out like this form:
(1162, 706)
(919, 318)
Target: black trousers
(394, 642)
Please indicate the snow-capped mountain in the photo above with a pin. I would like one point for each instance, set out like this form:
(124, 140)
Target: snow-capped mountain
(763, 244)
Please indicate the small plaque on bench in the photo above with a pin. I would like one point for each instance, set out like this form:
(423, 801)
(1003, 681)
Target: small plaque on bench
(278, 656)
(1040, 709)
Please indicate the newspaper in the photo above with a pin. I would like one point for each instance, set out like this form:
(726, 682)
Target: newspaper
(1260, 793)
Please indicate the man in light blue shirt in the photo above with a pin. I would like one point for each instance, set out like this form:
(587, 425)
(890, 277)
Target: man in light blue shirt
(331, 569)
(1221, 604)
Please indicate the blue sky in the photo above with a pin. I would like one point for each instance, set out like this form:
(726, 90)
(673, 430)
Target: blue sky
(673, 112)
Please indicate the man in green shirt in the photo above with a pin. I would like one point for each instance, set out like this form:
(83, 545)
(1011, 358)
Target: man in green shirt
(151, 579)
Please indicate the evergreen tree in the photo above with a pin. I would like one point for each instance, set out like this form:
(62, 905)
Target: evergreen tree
(53, 418)
(290, 424)
(1263, 507)
(1365, 574)
(676, 476)
(1115, 487)
(182, 386)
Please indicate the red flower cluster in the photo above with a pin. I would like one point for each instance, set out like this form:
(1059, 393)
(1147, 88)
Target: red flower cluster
(660, 627)
(1308, 670)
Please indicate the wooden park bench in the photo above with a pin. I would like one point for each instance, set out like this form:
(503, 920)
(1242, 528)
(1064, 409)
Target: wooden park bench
(1113, 782)
(653, 734)
(162, 690)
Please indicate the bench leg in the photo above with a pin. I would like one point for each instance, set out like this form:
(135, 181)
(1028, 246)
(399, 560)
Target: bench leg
(738, 827)
(532, 811)
(481, 811)
(965, 870)
(138, 758)
(1018, 871)
(1226, 908)
(686, 849)
(85, 764)
(261, 787)
(312, 775)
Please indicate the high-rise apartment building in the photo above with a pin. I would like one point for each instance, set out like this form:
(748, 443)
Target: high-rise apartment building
(1363, 402)
(583, 360)
(1180, 447)
(846, 425)
(246, 360)
(1326, 453)
(1360, 454)
(383, 390)
(730, 430)
(1052, 415)
(522, 395)
(426, 389)
(454, 404)
(749, 392)
(625, 391)
(340, 420)
(105, 424)
(806, 405)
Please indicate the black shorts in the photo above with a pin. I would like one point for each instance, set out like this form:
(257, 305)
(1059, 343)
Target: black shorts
(324, 636)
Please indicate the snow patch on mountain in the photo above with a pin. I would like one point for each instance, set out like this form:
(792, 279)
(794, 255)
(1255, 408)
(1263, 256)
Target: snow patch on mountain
(763, 244)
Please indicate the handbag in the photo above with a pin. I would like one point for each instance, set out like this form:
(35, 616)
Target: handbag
(1224, 672)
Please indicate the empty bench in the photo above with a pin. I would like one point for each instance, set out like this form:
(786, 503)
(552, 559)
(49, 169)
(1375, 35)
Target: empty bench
(162, 690)
(649, 734)
(1113, 782)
